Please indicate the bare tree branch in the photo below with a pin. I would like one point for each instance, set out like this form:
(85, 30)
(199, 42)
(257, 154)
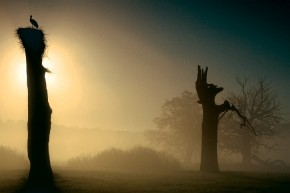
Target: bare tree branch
(229, 107)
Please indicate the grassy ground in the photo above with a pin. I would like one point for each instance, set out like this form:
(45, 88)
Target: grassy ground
(112, 182)
(11, 180)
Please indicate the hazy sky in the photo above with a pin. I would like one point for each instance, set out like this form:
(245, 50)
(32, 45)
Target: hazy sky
(114, 63)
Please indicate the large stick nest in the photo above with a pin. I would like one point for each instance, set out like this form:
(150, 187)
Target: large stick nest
(32, 39)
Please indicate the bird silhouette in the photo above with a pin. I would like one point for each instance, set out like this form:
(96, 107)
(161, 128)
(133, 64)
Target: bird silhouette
(33, 22)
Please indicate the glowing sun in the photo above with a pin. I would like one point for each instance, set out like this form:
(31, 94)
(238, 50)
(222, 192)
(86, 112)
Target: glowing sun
(50, 78)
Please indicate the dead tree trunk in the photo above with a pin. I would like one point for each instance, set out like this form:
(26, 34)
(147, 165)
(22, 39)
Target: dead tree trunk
(206, 94)
(211, 116)
(246, 149)
(39, 111)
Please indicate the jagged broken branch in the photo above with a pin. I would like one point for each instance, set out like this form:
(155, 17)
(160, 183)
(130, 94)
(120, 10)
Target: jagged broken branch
(230, 107)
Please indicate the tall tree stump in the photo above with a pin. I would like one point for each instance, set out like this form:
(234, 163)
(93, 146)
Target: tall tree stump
(39, 111)
(206, 94)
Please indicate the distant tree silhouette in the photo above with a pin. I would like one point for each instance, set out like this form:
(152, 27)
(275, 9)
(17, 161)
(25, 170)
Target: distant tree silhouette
(39, 111)
(261, 106)
(211, 112)
(178, 127)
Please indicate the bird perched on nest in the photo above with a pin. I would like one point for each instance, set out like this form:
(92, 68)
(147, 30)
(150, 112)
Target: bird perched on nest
(33, 22)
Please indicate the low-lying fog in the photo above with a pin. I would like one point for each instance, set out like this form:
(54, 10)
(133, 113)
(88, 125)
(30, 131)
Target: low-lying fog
(69, 142)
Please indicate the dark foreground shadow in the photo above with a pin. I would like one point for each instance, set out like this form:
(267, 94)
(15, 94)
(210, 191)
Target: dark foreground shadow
(29, 187)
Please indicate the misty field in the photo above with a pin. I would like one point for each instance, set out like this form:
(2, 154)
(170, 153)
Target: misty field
(69, 181)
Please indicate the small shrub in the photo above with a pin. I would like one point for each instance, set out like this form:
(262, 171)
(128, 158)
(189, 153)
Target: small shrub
(137, 159)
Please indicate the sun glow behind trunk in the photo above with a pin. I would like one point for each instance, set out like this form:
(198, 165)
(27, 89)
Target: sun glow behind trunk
(50, 77)
(64, 79)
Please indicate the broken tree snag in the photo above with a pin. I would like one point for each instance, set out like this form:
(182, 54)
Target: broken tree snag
(39, 111)
(206, 94)
(211, 116)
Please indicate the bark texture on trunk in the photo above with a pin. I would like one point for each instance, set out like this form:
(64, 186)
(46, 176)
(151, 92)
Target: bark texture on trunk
(209, 158)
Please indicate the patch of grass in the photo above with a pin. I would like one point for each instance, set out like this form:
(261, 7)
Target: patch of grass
(78, 181)
(185, 182)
